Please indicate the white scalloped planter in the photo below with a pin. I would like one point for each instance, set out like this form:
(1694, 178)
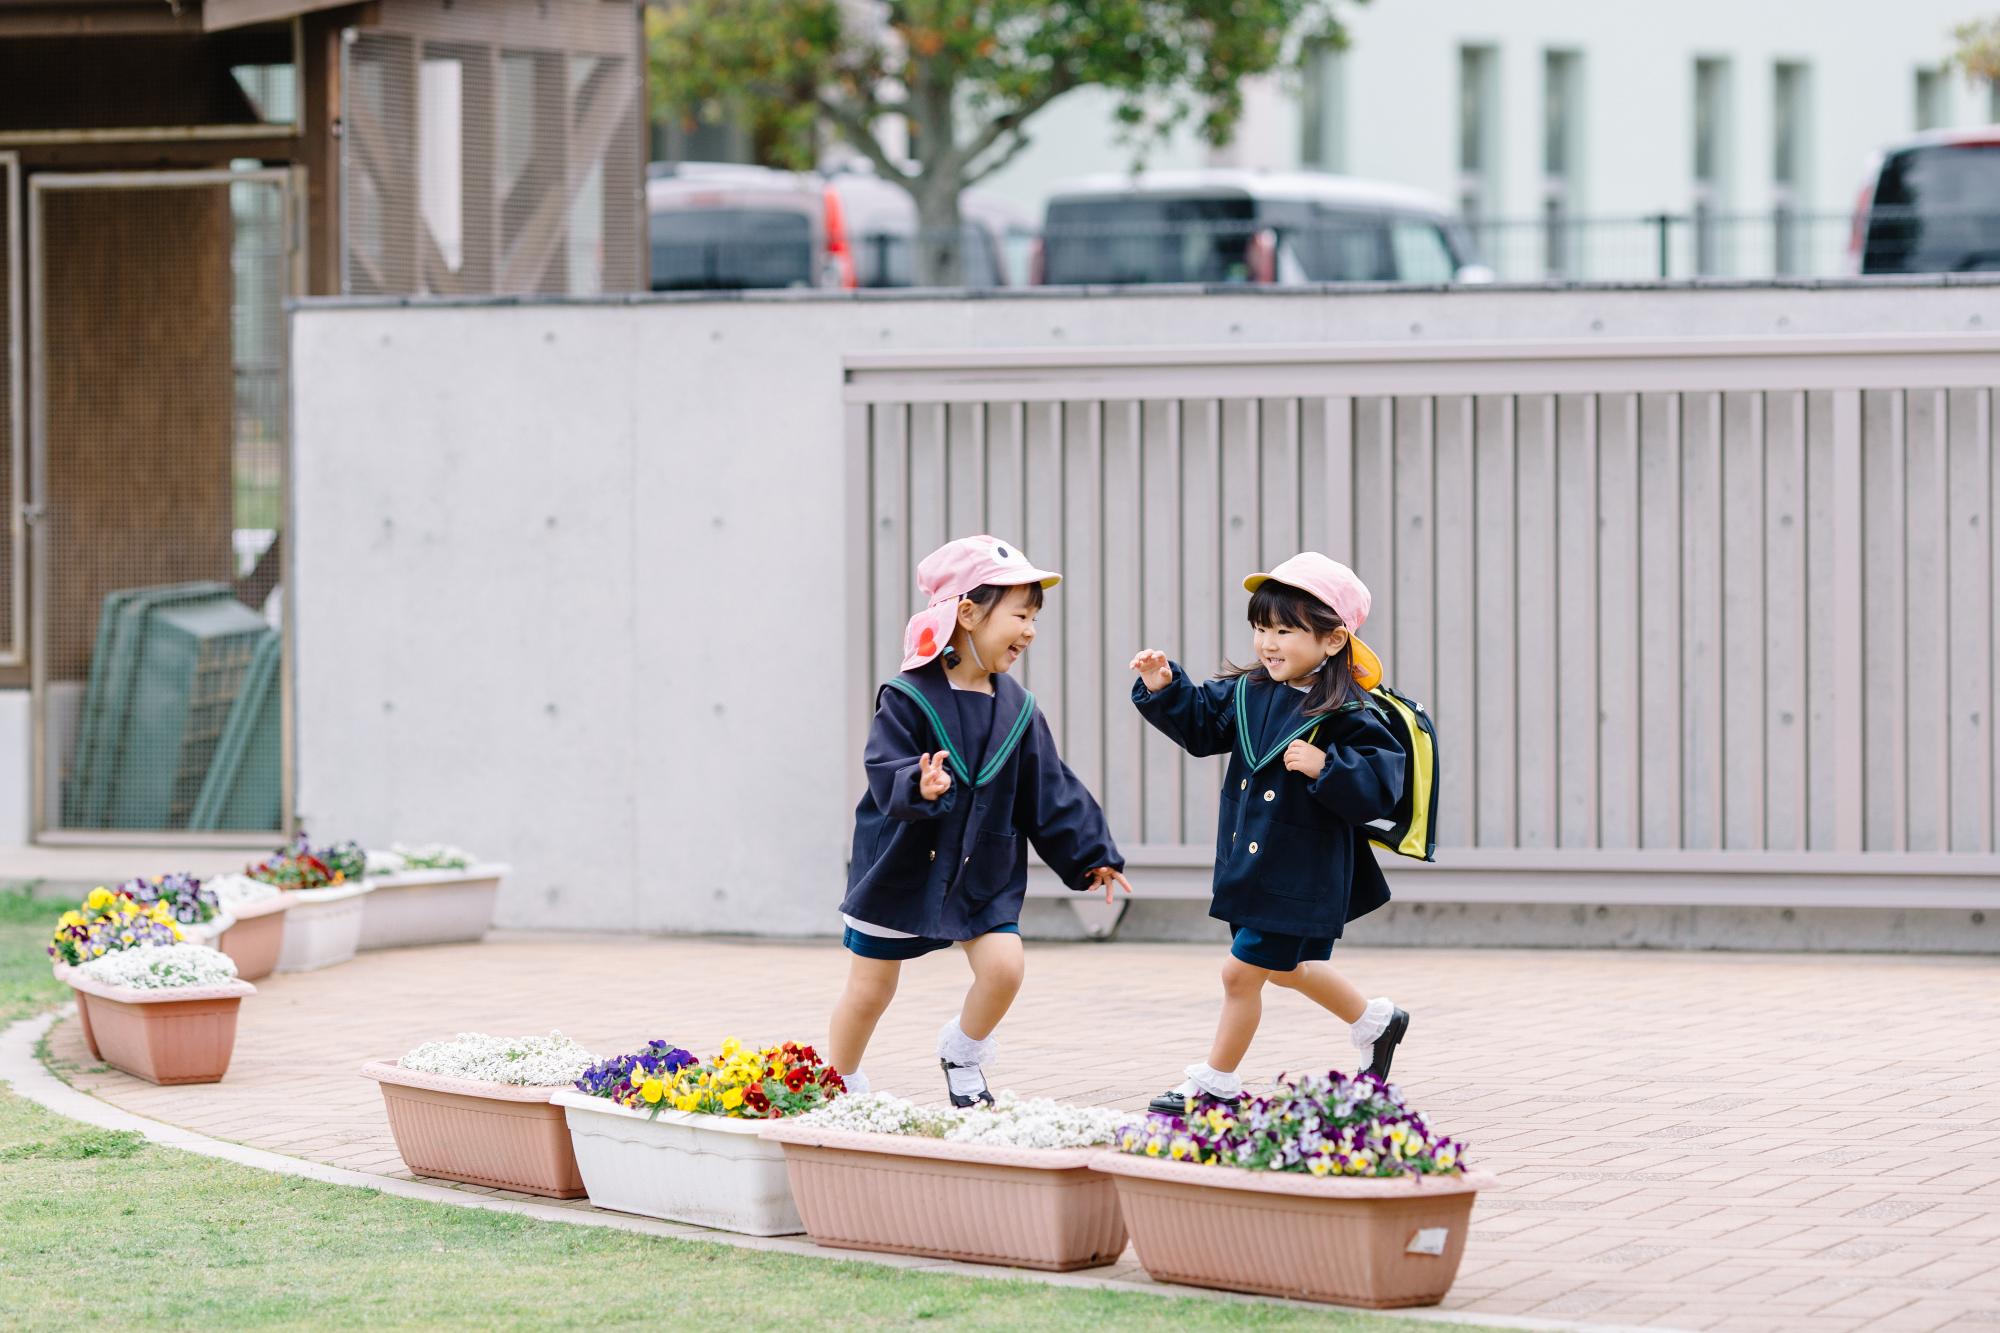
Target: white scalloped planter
(185, 1034)
(256, 936)
(498, 1134)
(322, 927)
(706, 1169)
(1382, 1244)
(430, 907)
(1024, 1207)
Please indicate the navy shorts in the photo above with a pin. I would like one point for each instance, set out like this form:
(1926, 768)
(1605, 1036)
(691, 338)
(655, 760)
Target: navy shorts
(1278, 952)
(864, 945)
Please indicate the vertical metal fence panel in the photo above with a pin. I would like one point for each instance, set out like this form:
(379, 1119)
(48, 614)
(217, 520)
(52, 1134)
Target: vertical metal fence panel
(1454, 707)
(1575, 664)
(1620, 594)
(13, 419)
(1684, 620)
(1788, 779)
(1967, 623)
(1927, 751)
(1495, 644)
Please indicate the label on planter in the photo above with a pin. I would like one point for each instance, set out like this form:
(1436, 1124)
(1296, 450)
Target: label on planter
(1430, 1240)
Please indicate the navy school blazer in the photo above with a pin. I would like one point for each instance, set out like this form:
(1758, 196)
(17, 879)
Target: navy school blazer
(957, 867)
(1290, 855)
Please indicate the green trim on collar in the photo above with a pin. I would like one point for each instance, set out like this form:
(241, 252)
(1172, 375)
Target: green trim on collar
(1243, 729)
(997, 761)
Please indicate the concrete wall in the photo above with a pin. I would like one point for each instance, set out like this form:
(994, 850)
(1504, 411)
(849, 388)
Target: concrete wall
(567, 576)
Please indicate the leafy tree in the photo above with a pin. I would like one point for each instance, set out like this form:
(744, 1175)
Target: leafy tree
(1977, 49)
(968, 76)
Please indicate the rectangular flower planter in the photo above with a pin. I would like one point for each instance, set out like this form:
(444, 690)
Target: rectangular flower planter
(706, 1169)
(498, 1134)
(430, 907)
(322, 927)
(256, 936)
(1023, 1207)
(183, 1035)
(1381, 1244)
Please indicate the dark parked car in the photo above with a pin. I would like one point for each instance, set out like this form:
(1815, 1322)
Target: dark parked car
(1931, 205)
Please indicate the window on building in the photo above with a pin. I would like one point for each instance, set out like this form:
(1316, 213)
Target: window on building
(1323, 135)
(1791, 116)
(1562, 139)
(441, 157)
(1711, 162)
(1478, 133)
(1932, 90)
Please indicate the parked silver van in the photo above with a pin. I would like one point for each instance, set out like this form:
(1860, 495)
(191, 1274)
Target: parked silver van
(1226, 226)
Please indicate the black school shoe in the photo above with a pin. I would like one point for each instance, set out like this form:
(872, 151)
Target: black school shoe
(1385, 1045)
(960, 1100)
(1175, 1103)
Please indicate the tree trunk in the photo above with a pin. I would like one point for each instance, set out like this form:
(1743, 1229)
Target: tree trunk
(940, 252)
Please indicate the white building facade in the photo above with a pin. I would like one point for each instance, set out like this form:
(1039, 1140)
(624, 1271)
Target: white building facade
(1571, 130)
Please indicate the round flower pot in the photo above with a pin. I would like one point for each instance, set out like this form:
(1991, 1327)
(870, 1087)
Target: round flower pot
(498, 1134)
(255, 936)
(430, 907)
(976, 1203)
(185, 1034)
(706, 1169)
(322, 926)
(1381, 1244)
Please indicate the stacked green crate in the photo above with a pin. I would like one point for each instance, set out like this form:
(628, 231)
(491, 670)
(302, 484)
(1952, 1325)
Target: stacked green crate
(242, 789)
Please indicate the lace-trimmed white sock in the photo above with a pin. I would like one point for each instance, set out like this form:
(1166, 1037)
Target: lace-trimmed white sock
(1373, 1022)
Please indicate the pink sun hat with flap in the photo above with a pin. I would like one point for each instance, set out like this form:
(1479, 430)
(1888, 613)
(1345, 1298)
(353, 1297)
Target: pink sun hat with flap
(1340, 588)
(953, 570)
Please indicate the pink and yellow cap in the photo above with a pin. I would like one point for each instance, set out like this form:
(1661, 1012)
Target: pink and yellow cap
(1340, 588)
(953, 570)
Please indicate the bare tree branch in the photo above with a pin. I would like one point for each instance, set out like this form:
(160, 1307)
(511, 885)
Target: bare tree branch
(1010, 122)
(1012, 149)
(855, 128)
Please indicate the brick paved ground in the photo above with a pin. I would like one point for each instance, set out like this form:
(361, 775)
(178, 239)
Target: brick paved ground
(1697, 1141)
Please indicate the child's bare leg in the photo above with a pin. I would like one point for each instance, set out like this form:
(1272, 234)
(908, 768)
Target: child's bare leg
(871, 984)
(1326, 988)
(1242, 1007)
(998, 964)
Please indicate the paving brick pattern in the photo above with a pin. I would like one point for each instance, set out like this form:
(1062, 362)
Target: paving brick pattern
(1694, 1141)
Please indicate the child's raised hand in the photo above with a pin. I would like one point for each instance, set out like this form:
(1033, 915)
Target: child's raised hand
(1106, 878)
(1303, 758)
(933, 778)
(1154, 668)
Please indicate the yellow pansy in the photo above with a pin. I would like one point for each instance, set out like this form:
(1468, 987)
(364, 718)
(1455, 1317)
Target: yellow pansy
(72, 918)
(730, 1046)
(99, 899)
(1319, 1166)
(732, 1099)
(652, 1090)
(687, 1103)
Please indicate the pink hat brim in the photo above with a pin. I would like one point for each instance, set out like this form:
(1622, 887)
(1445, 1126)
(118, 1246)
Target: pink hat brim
(929, 632)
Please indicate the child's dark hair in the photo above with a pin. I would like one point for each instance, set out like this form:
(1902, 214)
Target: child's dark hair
(1280, 604)
(987, 595)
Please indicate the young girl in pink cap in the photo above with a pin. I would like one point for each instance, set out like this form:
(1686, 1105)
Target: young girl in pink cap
(1311, 762)
(962, 775)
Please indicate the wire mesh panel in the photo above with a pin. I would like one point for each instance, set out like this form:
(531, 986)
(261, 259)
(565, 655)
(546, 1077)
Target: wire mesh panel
(157, 369)
(13, 424)
(470, 169)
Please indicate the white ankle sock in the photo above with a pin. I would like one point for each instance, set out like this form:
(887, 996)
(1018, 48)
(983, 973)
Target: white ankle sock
(1214, 1082)
(1374, 1021)
(857, 1082)
(954, 1047)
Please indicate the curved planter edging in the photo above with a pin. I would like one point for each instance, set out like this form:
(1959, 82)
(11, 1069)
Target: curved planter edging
(499, 1134)
(710, 1170)
(1022, 1207)
(254, 940)
(430, 907)
(1381, 1244)
(322, 927)
(186, 1034)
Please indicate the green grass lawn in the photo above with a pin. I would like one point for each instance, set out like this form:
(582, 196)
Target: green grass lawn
(101, 1228)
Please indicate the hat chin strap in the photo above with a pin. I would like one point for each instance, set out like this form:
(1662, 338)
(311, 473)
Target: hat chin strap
(973, 648)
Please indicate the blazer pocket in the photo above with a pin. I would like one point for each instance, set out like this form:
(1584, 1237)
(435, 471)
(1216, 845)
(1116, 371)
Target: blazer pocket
(990, 865)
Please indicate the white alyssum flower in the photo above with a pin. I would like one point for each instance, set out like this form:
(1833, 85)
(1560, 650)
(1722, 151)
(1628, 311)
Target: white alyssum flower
(386, 863)
(1012, 1122)
(240, 890)
(161, 967)
(529, 1061)
(432, 856)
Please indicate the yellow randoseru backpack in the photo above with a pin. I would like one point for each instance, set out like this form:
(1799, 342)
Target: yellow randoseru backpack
(1412, 830)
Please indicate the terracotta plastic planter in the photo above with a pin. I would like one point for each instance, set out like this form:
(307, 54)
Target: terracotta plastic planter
(706, 1169)
(430, 907)
(1381, 1244)
(206, 933)
(1022, 1207)
(255, 938)
(322, 927)
(498, 1134)
(183, 1035)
